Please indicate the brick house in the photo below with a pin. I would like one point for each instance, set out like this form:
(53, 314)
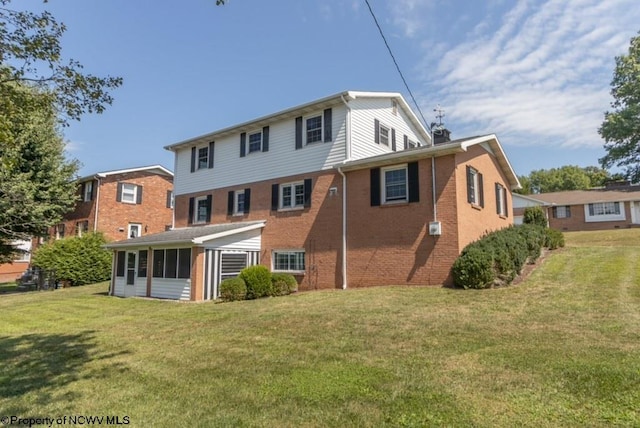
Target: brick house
(345, 191)
(121, 204)
(612, 207)
(10, 272)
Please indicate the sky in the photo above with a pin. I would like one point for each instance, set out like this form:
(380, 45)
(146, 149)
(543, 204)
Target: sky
(536, 73)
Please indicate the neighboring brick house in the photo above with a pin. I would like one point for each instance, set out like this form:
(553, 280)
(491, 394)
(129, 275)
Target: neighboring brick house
(612, 207)
(121, 204)
(345, 191)
(10, 272)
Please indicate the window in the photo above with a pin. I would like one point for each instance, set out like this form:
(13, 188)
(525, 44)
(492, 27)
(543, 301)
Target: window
(409, 143)
(82, 227)
(88, 191)
(172, 263)
(239, 202)
(289, 261)
(475, 193)
(203, 157)
(60, 231)
(501, 200)
(604, 211)
(120, 259)
(563, 211)
(255, 142)
(134, 230)
(394, 184)
(313, 127)
(142, 263)
(129, 193)
(200, 209)
(384, 135)
(292, 195)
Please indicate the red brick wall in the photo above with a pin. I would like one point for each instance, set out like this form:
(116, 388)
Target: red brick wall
(10, 272)
(577, 220)
(113, 216)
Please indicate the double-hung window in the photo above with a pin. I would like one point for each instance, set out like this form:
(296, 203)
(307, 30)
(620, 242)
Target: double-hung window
(239, 202)
(288, 261)
(384, 134)
(501, 200)
(201, 210)
(203, 157)
(255, 142)
(475, 193)
(313, 128)
(562, 211)
(394, 184)
(88, 191)
(292, 195)
(129, 192)
(82, 227)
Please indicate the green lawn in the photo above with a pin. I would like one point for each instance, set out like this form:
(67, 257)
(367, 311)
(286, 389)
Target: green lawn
(560, 349)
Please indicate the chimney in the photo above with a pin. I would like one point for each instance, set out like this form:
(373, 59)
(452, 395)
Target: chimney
(441, 136)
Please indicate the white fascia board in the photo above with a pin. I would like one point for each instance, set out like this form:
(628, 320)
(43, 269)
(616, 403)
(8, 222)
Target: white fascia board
(160, 168)
(494, 143)
(115, 245)
(201, 240)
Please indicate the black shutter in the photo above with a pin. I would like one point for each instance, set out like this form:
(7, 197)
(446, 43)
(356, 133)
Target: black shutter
(191, 203)
(498, 195)
(83, 188)
(265, 139)
(275, 196)
(243, 144)
(247, 200)
(211, 146)
(307, 192)
(119, 193)
(481, 190)
(327, 125)
(139, 195)
(230, 202)
(169, 197)
(376, 124)
(375, 187)
(298, 132)
(393, 139)
(568, 208)
(414, 182)
(193, 159)
(406, 142)
(209, 200)
(506, 204)
(554, 212)
(470, 195)
(93, 190)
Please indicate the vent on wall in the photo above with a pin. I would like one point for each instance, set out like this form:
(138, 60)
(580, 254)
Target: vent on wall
(435, 228)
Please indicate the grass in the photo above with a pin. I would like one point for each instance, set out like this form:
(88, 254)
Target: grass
(560, 349)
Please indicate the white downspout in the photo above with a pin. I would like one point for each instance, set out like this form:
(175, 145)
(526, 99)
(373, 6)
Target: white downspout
(347, 154)
(95, 218)
(433, 187)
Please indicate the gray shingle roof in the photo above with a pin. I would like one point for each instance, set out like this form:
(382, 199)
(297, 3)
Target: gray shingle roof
(580, 197)
(185, 235)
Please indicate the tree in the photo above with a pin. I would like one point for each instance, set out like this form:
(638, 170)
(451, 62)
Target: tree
(567, 177)
(621, 127)
(38, 94)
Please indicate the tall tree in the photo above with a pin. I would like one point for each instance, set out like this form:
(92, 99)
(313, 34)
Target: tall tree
(39, 93)
(568, 177)
(621, 127)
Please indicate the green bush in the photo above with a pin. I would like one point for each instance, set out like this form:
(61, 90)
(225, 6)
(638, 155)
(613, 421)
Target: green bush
(535, 215)
(554, 239)
(258, 280)
(535, 238)
(474, 268)
(233, 289)
(78, 260)
(283, 284)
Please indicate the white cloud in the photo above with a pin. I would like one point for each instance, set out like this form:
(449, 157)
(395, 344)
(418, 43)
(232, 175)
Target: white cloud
(537, 73)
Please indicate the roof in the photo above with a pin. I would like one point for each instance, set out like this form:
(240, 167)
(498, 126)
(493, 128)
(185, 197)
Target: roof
(303, 109)
(529, 198)
(158, 169)
(451, 147)
(189, 235)
(581, 197)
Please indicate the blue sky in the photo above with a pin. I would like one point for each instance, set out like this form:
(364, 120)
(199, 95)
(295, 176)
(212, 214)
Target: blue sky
(536, 73)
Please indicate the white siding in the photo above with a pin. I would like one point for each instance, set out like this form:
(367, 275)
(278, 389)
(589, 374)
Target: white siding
(364, 112)
(519, 202)
(249, 241)
(176, 289)
(118, 287)
(281, 160)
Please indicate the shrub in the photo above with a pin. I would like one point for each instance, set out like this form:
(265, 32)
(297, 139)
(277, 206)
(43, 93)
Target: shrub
(78, 260)
(474, 268)
(258, 280)
(553, 239)
(233, 289)
(535, 237)
(534, 215)
(283, 284)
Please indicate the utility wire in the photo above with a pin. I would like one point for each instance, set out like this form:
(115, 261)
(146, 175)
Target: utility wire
(396, 63)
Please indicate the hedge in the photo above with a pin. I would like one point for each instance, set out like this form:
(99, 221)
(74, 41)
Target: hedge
(283, 284)
(258, 280)
(233, 289)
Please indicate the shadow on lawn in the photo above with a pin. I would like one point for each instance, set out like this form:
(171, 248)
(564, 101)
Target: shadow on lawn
(41, 365)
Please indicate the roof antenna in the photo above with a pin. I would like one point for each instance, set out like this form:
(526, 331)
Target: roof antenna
(439, 115)
(439, 133)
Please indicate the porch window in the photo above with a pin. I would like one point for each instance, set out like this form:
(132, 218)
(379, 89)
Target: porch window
(172, 263)
(142, 263)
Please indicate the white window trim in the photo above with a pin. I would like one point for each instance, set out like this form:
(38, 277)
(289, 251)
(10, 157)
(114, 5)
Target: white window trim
(476, 187)
(502, 199)
(206, 166)
(79, 230)
(138, 225)
(293, 206)
(305, 130)
(604, 217)
(382, 126)
(259, 149)
(288, 251)
(196, 201)
(236, 197)
(133, 193)
(383, 186)
(411, 144)
(88, 191)
(562, 214)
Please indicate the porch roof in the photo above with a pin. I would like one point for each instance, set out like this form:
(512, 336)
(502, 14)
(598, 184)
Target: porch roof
(196, 235)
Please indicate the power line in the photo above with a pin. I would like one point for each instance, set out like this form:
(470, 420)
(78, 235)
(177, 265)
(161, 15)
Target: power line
(396, 63)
